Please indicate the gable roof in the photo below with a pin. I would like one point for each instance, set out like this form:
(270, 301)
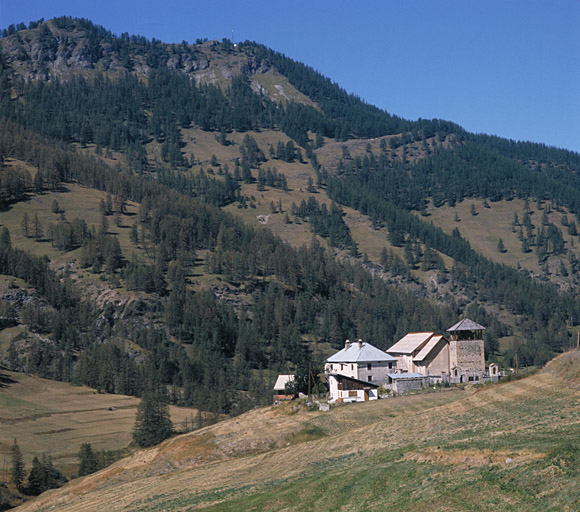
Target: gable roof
(407, 376)
(429, 346)
(466, 325)
(339, 376)
(410, 342)
(360, 352)
(282, 380)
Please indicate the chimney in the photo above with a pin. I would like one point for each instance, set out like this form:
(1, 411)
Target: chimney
(360, 343)
(347, 344)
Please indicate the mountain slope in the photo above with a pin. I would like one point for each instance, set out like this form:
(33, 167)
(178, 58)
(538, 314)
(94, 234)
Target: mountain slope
(189, 156)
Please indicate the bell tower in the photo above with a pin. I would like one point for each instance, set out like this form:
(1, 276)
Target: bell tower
(466, 349)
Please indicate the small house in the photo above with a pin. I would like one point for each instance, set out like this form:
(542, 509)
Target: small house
(280, 387)
(345, 389)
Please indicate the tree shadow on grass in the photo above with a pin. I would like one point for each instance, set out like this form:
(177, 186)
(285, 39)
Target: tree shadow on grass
(5, 380)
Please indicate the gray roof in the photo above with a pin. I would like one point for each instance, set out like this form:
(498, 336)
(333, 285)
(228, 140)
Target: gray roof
(466, 325)
(360, 352)
(411, 342)
(410, 375)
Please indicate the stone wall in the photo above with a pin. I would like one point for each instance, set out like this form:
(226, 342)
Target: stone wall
(467, 354)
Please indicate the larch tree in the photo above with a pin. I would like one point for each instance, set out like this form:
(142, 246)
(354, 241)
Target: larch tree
(17, 470)
(153, 422)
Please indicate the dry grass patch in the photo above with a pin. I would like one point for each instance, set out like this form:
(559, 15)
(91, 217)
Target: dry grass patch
(57, 417)
(472, 458)
(484, 230)
(77, 202)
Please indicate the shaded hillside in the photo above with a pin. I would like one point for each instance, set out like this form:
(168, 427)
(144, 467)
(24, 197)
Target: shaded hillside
(490, 446)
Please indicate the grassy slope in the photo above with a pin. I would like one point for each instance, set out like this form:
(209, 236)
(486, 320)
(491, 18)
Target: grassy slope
(484, 229)
(56, 418)
(77, 202)
(203, 145)
(498, 446)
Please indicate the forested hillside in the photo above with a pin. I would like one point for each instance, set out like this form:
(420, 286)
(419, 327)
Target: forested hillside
(191, 216)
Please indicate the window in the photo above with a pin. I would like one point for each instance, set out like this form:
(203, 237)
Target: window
(369, 366)
(370, 377)
(390, 365)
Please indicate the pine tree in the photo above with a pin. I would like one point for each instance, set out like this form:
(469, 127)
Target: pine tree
(153, 422)
(88, 460)
(17, 469)
(25, 225)
(5, 241)
(43, 476)
(500, 246)
(37, 231)
(37, 478)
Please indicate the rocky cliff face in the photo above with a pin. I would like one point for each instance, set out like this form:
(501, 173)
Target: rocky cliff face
(51, 52)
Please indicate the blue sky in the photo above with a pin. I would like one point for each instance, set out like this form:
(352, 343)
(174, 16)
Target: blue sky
(504, 67)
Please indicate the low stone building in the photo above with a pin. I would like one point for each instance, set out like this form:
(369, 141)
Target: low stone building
(404, 382)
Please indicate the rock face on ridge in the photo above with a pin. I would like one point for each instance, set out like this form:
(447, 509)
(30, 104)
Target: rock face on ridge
(60, 48)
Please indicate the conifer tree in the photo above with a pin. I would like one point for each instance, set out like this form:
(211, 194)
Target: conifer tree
(17, 469)
(25, 225)
(37, 478)
(5, 241)
(153, 422)
(88, 460)
(500, 246)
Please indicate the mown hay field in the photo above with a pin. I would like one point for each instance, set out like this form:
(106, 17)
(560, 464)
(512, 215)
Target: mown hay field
(512, 446)
(55, 418)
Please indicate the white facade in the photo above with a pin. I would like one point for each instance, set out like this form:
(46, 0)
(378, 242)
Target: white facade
(343, 389)
(362, 361)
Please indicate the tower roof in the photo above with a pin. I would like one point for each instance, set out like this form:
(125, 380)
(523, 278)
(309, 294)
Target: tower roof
(466, 325)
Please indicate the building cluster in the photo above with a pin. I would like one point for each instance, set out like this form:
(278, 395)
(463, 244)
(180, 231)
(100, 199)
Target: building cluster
(417, 360)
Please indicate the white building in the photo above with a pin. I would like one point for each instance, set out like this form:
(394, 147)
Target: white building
(361, 361)
(344, 389)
